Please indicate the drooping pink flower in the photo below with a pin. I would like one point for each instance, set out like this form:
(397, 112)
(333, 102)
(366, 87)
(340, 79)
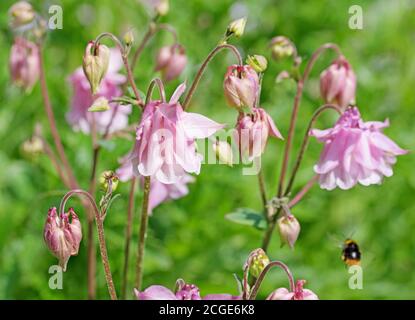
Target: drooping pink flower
(82, 99)
(166, 148)
(171, 61)
(338, 83)
(289, 229)
(24, 63)
(355, 152)
(184, 292)
(299, 293)
(241, 85)
(252, 131)
(159, 192)
(62, 235)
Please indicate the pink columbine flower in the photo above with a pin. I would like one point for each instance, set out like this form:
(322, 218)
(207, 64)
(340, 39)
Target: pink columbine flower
(241, 85)
(338, 83)
(62, 235)
(355, 152)
(159, 192)
(184, 292)
(82, 99)
(24, 63)
(298, 294)
(171, 61)
(166, 148)
(252, 131)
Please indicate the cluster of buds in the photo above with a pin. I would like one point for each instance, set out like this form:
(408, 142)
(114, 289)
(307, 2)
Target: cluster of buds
(259, 260)
(171, 61)
(62, 235)
(95, 64)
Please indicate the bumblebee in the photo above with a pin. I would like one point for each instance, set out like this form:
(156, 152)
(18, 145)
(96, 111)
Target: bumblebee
(351, 254)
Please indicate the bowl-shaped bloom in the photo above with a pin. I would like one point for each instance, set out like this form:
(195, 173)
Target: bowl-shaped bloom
(62, 235)
(166, 140)
(114, 119)
(252, 131)
(241, 86)
(355, 152)
(171, 61)
(299, 293)
(24, 63)
(184, 292)
(159, 192)
(338, 83)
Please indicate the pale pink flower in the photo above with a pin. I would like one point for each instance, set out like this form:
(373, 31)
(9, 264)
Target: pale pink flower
(184, 292)
(252, 131)
(159, 192)
(171, 61)
(241, 86)
(355, 152)
(62, 235)
(298, 294)
(24, 63)
(289, 229)
(338, 83)
(166, 148)
(82, 99)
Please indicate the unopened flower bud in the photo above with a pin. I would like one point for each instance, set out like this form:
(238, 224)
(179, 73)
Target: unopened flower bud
(95, 64)
(129, 38)
(241, 85)
(236, 27)
(258, 263)
(171, 61)
(289, 229)
(338, 83)
(21, 13)
(281, 47)
(162, 7)
(108, 177)
(100, 104)
(224, 152)
(62, 235)
(258, 62)
(32, 147)
(24, 63)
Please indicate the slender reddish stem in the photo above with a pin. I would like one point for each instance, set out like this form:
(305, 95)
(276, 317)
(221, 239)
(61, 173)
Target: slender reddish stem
(303, 191)
(128, 232)
(142, 234)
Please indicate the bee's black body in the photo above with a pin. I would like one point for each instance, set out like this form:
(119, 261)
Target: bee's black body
(351, 254)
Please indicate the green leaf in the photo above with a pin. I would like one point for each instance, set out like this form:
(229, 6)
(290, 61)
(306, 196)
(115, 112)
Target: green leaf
(248, 217)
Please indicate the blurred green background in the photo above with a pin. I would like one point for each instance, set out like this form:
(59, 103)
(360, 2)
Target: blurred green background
(190, 238)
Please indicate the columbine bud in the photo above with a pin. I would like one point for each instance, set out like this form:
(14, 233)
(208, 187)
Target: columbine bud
(252, 132)
(21, 13)
(32, 147)
(105, 178)
(171, 61)
(63, 235)
(162, 7)
(100, 104)
(95, 64)
(224, 152)
(259, 63)
(129, 38)
(241, 86)
(236, 28)
(338, 83)
(259, 261)
(289, 229)
(281, 47)
(24, 63)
